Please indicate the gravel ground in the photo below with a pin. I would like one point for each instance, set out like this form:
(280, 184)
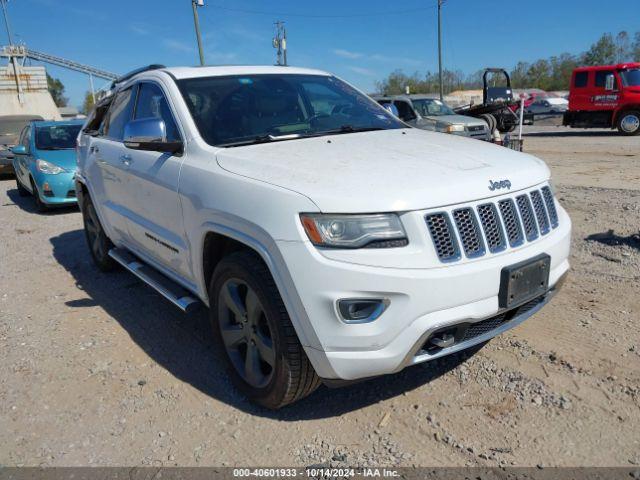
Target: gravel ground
(99, 370)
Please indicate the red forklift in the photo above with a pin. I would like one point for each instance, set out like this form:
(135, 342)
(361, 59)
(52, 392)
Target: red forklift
(605, 96)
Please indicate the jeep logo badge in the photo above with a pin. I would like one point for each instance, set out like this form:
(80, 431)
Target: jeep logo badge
(499, 184)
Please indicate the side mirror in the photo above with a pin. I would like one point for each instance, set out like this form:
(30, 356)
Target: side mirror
(392, 109)
(19, 150)
(610, 82)
(149, 134)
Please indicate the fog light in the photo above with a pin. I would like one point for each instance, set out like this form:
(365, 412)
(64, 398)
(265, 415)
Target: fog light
(46, 190)
(362, 310)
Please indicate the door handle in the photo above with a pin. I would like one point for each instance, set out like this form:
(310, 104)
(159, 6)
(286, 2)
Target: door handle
(126, 159)
(94, 150)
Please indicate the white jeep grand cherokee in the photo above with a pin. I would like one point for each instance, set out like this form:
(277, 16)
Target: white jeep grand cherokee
(329, 240)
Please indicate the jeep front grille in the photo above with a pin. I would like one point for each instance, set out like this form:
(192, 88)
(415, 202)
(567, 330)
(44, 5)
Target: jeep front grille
(526, 213)
(496, 225)
(541, 213)
(511, 222)
(444, 239)
(551, 206)
(492, 227)
(470, 235)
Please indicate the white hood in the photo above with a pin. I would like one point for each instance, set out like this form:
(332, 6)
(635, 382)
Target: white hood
(383, 171)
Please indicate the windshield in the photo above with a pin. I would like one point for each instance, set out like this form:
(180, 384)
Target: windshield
(631, 78)
(57, 137)
(242, 109)
(430, 107)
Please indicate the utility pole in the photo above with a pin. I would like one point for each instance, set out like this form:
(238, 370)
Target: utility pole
(440, 3)
(12, 57)
(6, 20)
(195, 4)
(280, 43)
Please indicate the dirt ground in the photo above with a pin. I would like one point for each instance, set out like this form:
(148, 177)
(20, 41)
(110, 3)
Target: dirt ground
(99, 370)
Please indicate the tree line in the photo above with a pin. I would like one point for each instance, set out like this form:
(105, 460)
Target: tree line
(553, 73)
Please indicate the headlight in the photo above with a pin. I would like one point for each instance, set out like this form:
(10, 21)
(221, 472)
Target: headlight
(354, 231)
(46, 167)
(454, 128)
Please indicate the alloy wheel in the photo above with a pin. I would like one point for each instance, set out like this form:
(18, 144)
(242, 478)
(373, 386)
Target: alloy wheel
(246, 333)
(630, 123)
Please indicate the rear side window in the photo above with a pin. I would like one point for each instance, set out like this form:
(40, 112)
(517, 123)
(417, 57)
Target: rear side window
(581, 79)
(96, 119)
(153, 104)
(601, 78)
(405, 111)
(119, 114)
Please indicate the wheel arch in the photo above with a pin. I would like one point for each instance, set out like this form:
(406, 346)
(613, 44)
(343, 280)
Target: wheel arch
(219, 240)
(624, 109)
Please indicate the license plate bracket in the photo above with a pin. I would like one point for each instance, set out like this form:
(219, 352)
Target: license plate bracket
(524, 281)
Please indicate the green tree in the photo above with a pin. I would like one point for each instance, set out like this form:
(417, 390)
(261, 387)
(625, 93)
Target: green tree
(603, 52)
(56, 89)
(87, 104)
(635, 50)
(539, 74)
(562, 67)
(623, 47)
(519, 75)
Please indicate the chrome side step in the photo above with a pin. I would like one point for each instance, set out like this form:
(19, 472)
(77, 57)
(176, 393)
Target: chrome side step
(166, 287)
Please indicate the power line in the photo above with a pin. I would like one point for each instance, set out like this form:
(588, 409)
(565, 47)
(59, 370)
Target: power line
(305, 15)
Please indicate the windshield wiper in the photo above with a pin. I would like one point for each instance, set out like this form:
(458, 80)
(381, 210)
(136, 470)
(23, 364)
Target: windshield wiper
(294, 136)
(262, 139)
(55, 148)
(345, 129)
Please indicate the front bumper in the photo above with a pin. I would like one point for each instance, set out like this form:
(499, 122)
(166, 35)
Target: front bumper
(422, 300)
(61, 188)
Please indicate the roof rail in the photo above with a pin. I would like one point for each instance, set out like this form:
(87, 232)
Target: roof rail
(132, 73)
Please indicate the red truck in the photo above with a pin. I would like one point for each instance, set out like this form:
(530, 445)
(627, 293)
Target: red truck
(605, 97)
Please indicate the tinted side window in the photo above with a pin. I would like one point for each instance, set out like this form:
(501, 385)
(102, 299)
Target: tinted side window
(25, 136)
(581, 79)
(153, 104)
(119, 114)
(601, 78)
(97, 118)
(405, 111)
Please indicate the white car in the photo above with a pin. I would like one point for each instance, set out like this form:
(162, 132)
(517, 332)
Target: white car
(330, 241)
(548, 105)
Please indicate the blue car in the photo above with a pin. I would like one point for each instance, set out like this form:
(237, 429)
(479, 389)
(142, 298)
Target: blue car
(45, 162)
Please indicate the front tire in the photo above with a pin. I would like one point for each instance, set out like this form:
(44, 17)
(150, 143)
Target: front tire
(629, 123)
(250, 322)
(23, 192)
(41, 207)
(97, 240)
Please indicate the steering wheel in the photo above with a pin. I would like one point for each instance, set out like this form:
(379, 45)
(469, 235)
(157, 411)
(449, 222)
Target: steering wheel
(317, 116)
(342, 108)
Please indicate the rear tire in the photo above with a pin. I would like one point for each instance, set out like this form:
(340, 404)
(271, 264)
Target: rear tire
(491, 121)
(264, 357)
(23, 192)
(97, 240)
(41, 207)
(629, 123)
